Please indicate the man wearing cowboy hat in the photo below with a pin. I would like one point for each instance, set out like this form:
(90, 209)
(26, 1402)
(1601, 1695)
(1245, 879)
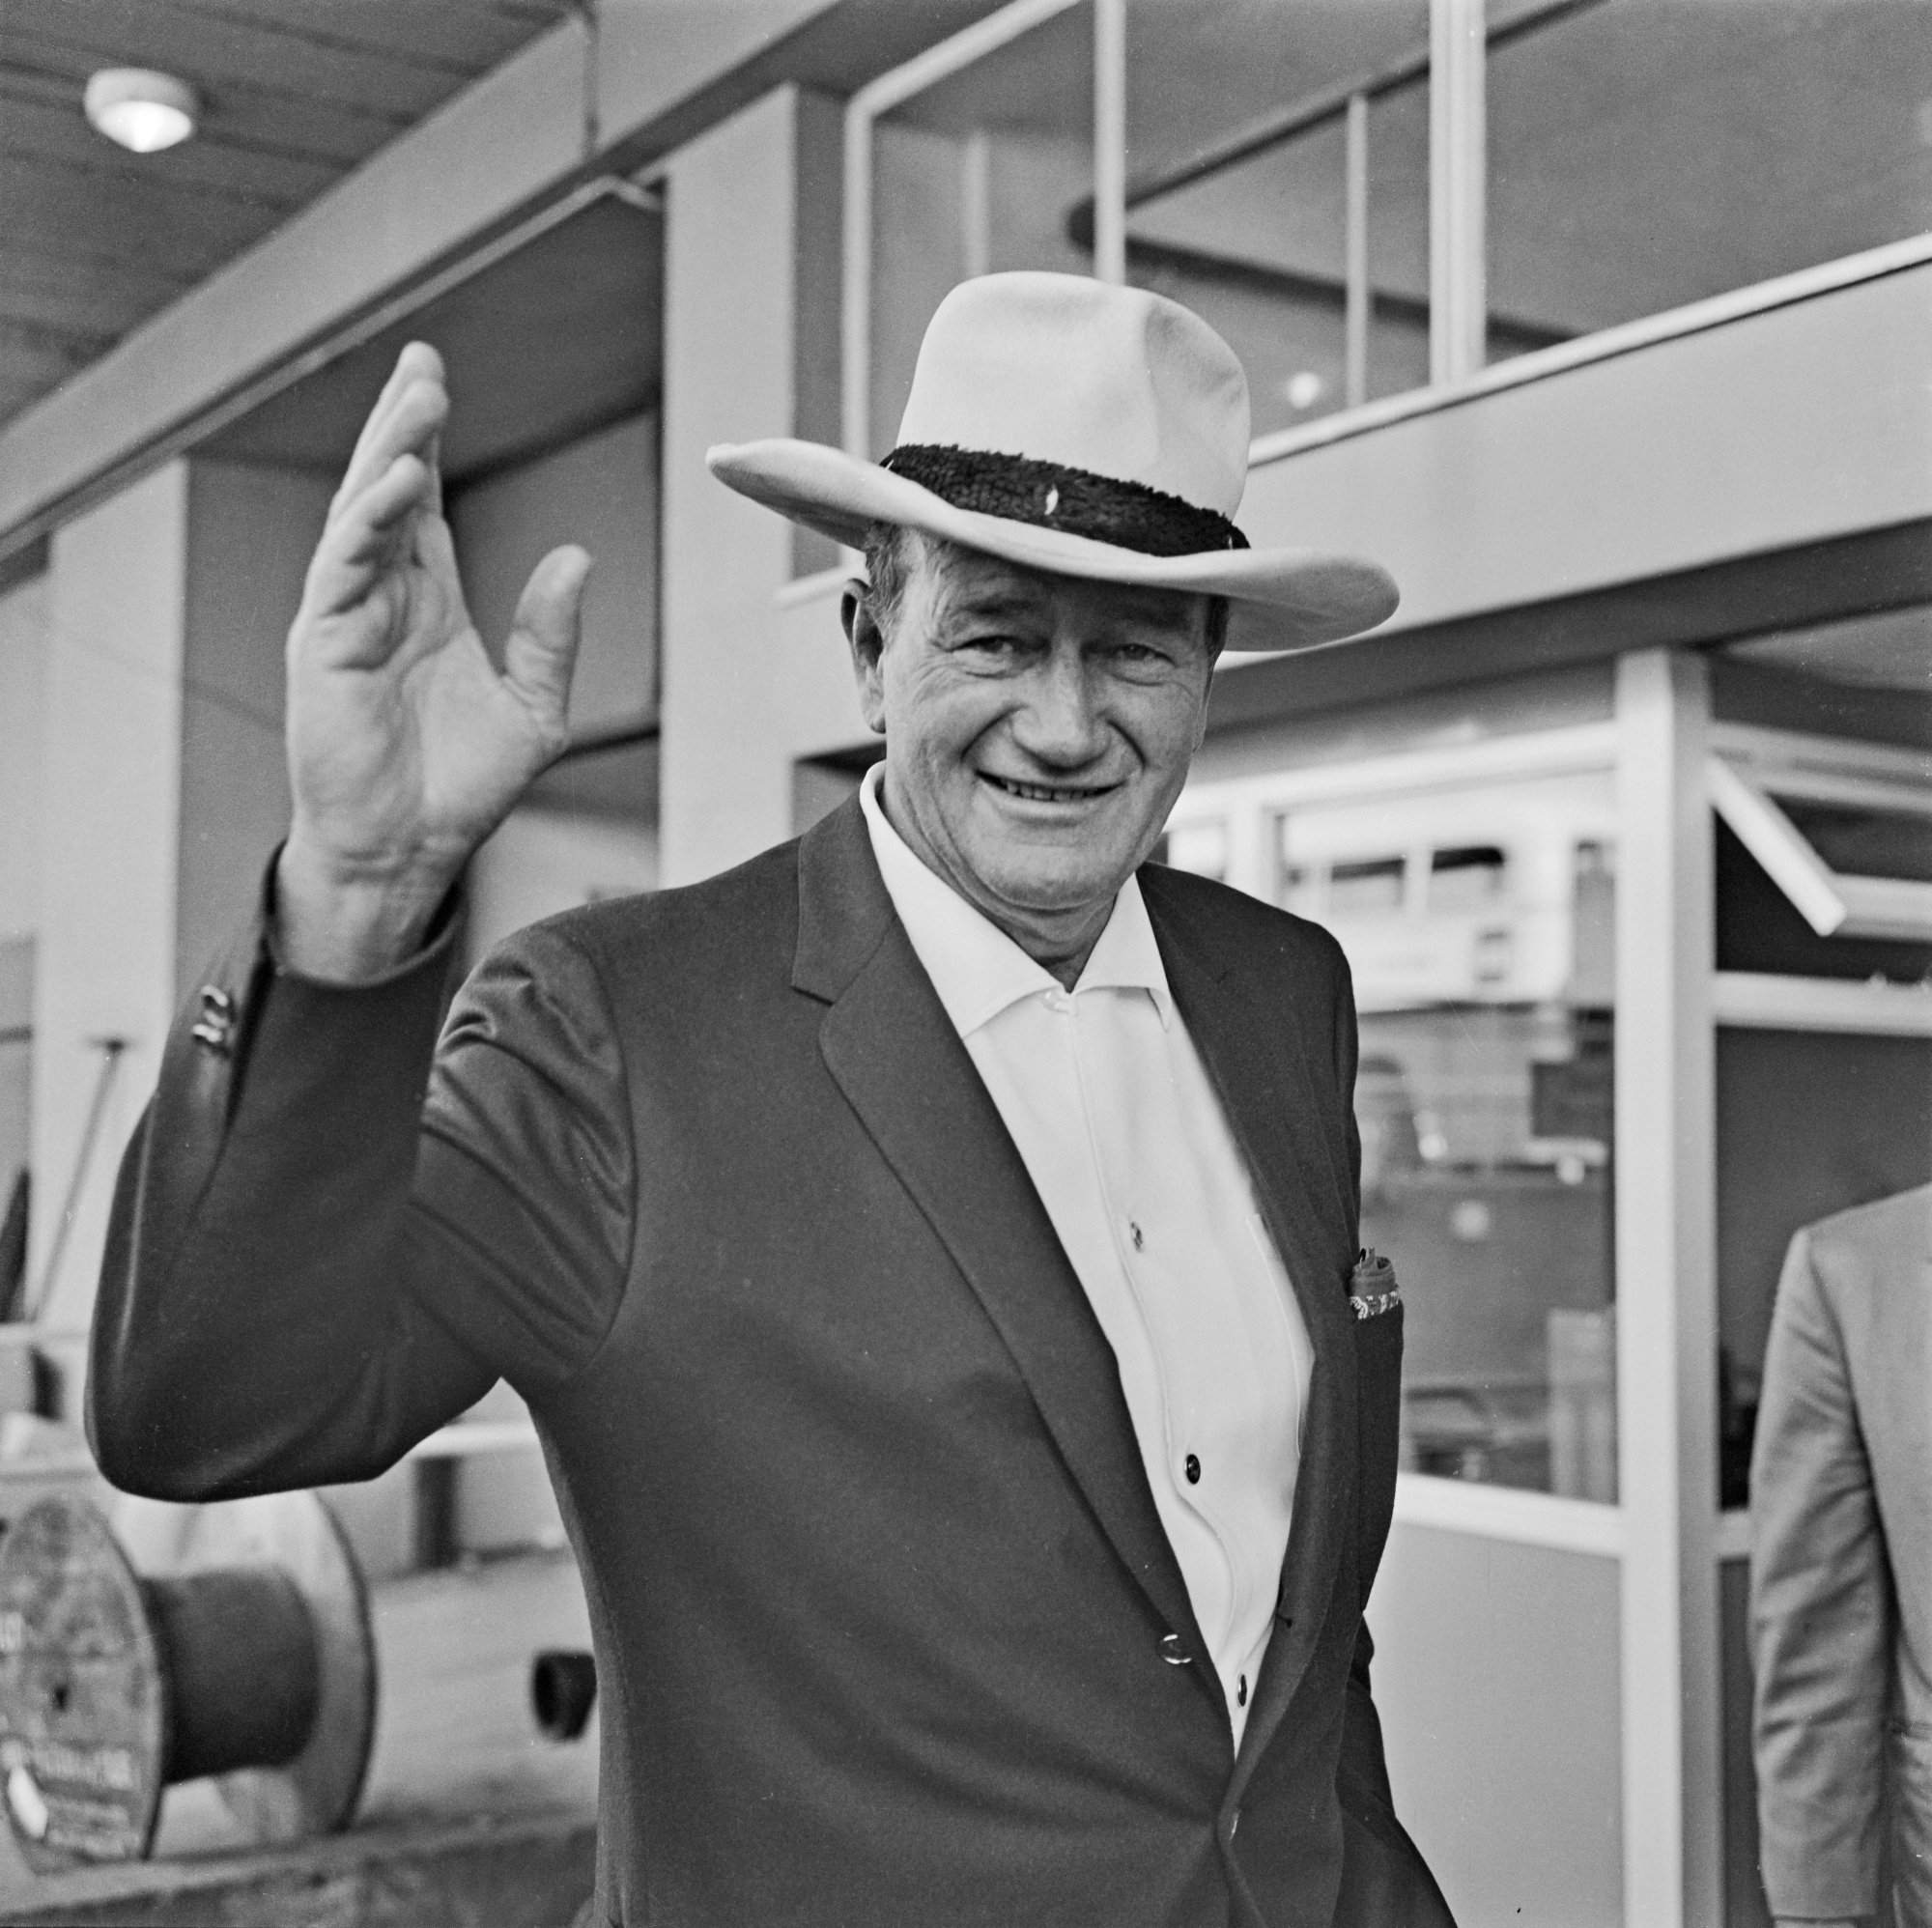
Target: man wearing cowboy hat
(928, 1251)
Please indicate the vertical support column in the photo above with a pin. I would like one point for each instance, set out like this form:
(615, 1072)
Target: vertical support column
(104, 959)
(164, 792)
(1110, 140)
(1356, 255)
(1667, 1296)
(1457, 190)
(855, 312)
(739, 682)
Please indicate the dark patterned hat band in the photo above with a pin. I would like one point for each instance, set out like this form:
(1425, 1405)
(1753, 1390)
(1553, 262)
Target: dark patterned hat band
(1074, 500)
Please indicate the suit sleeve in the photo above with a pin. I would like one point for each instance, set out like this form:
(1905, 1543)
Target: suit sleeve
(331, 1234)
(1820, 1616)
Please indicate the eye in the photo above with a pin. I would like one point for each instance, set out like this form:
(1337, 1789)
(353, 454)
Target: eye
(1130, 657)
(992, 646)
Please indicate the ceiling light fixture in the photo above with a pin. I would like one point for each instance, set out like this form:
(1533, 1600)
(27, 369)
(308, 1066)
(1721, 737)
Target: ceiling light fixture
(139, 109)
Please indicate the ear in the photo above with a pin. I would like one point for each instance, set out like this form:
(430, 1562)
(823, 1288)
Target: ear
(868, 642)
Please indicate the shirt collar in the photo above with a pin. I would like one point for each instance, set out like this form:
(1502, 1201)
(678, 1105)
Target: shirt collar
(976, 969)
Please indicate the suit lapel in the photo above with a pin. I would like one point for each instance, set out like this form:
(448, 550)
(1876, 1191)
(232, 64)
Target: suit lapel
(1254, 1054)
(888, 1042)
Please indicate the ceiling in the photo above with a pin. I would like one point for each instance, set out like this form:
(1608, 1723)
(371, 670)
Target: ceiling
(1892, 650)
(547, 342)
(296, 92)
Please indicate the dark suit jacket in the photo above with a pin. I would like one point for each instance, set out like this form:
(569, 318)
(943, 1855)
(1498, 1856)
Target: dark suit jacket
(878, 1587)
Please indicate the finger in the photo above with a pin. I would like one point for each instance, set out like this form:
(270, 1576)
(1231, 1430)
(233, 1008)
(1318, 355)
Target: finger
(367, 535)
(418, 362)
(409, 426)
(541, 650)
(433, 455)
(418, 366)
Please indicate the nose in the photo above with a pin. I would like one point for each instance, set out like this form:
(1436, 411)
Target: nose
(1060, 721)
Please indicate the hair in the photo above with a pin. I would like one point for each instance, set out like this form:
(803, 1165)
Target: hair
(893, 553)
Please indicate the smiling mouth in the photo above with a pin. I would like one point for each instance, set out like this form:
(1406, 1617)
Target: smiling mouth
(1048, 793)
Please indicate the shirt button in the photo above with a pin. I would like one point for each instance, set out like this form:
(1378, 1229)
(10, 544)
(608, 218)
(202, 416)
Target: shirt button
(1241, 1694)
(1135, 1233)
(1193, 1471)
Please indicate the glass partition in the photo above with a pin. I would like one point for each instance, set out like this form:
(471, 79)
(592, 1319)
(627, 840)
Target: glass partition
(1646, 154)
(1815, 1114)
(1641, 154)
(1239, 146)
(1479, 922)
(981, 171)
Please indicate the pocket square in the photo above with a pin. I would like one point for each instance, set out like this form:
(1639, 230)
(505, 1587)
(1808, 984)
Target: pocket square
(1371, 1287)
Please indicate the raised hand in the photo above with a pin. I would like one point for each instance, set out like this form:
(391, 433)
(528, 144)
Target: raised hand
(405, 745)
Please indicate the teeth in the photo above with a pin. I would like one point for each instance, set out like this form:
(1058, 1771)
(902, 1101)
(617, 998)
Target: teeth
(1043, 793)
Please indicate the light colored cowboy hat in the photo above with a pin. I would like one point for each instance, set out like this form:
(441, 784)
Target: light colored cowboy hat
(1072, 426)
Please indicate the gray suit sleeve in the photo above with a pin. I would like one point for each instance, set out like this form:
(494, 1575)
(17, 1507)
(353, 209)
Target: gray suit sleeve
(1820, 1616)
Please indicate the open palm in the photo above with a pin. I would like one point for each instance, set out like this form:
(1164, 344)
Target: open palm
(406, 746)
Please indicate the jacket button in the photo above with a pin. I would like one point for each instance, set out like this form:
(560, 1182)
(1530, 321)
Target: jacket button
(1171, 1652)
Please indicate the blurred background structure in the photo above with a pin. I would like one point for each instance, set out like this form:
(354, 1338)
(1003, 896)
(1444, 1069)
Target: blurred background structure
(1604, 324)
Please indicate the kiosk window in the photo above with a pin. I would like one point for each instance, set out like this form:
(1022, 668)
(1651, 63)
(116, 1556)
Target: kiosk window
(1486, 1158)
(1465, 878)
(1372, 884)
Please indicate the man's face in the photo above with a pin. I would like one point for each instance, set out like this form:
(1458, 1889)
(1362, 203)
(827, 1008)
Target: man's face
(1037, 731)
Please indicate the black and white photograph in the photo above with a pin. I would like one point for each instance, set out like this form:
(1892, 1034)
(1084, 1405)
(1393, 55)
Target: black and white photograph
(966, 963)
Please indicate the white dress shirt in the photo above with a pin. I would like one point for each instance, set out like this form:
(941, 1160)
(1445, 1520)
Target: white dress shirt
(1121, 1131)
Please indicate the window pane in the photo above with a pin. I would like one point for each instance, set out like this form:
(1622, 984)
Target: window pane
(1486, 1150)
(985, 170)
(1645, 154)
(1257, 244)
(1483, 1098)
(1297, 885)
(1759, 931)
(1862, 841)
(1371, 884)
(1461, 878)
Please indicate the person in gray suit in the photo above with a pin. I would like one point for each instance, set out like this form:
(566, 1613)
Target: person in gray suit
(1841, 1572)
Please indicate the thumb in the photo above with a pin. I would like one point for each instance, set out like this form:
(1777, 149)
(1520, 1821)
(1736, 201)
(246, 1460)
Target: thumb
(541, 649)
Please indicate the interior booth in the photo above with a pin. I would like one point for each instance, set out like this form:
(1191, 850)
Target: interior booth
(1625, 822)
(1604, 1078)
